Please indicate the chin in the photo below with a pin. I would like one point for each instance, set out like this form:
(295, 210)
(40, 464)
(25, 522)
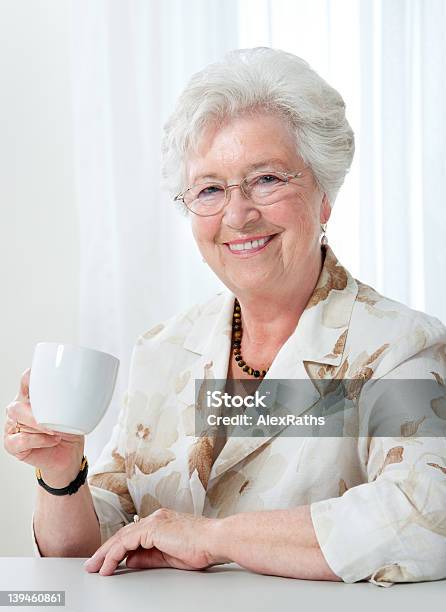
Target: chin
(252, 282)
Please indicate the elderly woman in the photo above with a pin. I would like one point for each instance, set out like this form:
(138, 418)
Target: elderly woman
(256, 152)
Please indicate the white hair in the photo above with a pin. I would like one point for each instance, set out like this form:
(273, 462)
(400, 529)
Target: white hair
(262, 80)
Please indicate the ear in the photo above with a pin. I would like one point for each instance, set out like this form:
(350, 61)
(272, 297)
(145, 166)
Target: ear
(325, 209)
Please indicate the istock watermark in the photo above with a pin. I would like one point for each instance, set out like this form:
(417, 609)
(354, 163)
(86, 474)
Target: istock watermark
(264, 420)
(357, 407)
(217, 399)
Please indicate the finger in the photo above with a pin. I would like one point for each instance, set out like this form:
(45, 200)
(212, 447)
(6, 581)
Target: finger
(22, 443)
(95, 561)
(113, 558)
(20, 412)
(130, 541)
(107, 558)
(11, 428)
(23, 393)
(142, 558)
(68, 437)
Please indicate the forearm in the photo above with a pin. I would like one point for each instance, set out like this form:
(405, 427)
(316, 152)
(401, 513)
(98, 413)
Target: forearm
(66, 526)
(276, 542)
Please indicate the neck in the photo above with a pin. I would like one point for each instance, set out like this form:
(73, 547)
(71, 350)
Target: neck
(269, 323)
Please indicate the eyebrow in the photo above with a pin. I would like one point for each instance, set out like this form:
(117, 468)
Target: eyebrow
(265, 163)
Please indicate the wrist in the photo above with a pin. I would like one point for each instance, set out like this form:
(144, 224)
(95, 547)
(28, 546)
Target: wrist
(216, 537)
(58, 479)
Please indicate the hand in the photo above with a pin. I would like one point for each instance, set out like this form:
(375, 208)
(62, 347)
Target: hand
(163, 539)
(57, 454)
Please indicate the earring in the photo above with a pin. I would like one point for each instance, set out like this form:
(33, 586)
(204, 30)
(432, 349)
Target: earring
(203, 260)
(324, 239)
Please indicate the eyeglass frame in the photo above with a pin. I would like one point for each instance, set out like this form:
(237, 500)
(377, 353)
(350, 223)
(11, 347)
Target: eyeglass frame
(288, 175)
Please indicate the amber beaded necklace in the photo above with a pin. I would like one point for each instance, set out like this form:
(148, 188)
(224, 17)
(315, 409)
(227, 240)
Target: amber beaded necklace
(237, 342)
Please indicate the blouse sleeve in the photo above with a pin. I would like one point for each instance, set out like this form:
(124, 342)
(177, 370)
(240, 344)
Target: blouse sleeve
(108, 483)
(393, 527)
(107, 479)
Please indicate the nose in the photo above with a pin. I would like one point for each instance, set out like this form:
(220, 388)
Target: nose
(239, 210)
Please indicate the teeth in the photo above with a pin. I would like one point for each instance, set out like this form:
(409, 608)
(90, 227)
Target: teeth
(246, 246)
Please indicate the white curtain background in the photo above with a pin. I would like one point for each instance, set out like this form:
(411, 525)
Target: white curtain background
(139, 264)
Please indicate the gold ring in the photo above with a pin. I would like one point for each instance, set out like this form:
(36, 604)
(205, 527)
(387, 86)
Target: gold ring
(136, 518)
(17, 427)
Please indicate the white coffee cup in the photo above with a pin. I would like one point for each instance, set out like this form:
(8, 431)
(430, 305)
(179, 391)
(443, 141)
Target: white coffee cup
(70, 387)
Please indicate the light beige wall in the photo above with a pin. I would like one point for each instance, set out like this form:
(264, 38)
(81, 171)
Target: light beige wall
(38, 223)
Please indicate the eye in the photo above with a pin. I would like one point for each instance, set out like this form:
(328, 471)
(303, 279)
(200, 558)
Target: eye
(268, 178)
(209, 191)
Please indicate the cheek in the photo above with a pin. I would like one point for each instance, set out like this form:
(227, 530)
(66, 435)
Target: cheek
(301, 229)
(306, 224)
(298, 221)
(204, 230)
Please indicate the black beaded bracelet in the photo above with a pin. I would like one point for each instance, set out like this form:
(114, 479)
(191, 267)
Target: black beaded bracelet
(72, 487)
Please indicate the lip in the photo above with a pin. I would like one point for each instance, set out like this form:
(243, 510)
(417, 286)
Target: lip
(249, 239)
(250, 252)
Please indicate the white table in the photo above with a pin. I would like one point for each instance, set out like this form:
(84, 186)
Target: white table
(227, 588)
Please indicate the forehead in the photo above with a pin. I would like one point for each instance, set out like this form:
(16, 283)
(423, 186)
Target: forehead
(240, 145)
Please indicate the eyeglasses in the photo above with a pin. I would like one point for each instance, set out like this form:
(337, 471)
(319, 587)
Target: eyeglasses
(263, 188)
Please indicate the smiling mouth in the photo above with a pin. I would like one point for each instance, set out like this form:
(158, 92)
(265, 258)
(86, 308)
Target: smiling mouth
(250, 246)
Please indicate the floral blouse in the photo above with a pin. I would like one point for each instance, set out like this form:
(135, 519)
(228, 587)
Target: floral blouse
(378, 504)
